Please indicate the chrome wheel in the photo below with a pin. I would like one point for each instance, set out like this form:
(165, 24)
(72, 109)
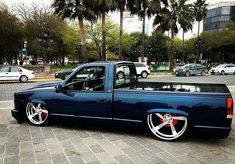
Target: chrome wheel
(223, 72)
(36, 113)
(187, 73)
(167, 126)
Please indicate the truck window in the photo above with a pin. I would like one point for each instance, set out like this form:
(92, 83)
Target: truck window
(88, 78)
(125, 75)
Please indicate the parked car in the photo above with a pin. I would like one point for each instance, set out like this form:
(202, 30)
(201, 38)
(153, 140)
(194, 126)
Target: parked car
(16, 73)
(191, 69)
(223, 69)
(142, 70)
(170, 110)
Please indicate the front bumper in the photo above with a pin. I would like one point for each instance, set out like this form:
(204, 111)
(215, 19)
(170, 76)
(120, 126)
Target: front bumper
(17, 115)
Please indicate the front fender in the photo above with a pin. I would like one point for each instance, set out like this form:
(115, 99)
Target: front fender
(37, 101)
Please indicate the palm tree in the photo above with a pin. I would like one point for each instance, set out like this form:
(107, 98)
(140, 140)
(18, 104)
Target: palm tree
(177, 13)
(144, 8)
(101, 7)
(75, 10)
(200, 13)
(121, 7)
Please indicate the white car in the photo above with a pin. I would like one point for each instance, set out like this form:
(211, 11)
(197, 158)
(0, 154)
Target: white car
(16, 73)
(223, 69)
(142, 70)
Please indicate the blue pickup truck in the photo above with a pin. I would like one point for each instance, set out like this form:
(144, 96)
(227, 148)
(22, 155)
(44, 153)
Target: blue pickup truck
(110, 91)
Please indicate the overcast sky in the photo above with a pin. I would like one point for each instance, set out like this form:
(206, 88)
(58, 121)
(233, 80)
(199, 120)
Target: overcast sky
(48, 2)
(12, 3)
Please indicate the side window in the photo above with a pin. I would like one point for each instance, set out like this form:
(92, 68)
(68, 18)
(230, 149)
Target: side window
(88, 78)
(125, 76)
(5, 69)
(15, 69)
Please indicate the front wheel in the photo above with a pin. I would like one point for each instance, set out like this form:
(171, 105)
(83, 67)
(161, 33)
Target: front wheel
(167, 126)
(187, 73)
(203, 73)
(37, 113)
(23, 79)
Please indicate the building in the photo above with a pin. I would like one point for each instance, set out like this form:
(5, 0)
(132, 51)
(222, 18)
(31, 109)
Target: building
(218, 15)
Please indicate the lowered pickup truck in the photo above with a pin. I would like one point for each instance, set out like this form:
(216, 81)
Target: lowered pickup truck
(110, 91)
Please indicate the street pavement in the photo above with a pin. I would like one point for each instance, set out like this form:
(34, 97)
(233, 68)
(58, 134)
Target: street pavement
(70, 142)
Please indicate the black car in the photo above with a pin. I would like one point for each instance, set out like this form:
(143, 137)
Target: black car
(191, 69)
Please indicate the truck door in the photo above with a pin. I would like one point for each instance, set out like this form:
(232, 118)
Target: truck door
(86, 94)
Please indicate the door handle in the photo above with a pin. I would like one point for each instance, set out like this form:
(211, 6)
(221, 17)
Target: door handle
(101, 101)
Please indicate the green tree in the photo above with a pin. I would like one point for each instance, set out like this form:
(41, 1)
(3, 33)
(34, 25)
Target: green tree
(177, 14)
(11, 41)
(76, 10)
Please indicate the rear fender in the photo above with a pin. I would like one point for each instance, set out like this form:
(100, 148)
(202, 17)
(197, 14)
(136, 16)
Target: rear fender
(170, 111)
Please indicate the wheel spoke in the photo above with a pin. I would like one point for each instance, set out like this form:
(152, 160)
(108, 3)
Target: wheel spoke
(159, 115)
(157, 128)
(33, 115)
(179, 118)
(44, 111)
(173, 129)
(39, 106)
(40, 117)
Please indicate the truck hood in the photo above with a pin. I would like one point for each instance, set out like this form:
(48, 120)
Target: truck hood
(46, 85)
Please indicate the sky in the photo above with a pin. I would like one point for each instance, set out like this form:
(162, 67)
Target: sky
(114, 17)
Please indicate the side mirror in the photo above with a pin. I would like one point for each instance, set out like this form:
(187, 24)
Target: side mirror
(60, 88)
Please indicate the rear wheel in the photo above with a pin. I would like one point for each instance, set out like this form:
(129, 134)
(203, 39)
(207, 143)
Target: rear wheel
(167, 126)
(23, 79)
(144, 74)
(37, 113)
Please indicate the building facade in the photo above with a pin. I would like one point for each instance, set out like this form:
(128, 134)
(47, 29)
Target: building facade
(218, 15)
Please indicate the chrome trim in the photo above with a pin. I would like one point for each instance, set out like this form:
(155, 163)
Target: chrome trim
(91, 117)
(127, 120)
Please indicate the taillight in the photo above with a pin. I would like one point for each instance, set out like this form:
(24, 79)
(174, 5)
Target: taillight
(229, 108)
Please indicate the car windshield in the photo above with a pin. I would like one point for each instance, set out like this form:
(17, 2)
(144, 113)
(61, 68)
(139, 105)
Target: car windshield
(186, 66)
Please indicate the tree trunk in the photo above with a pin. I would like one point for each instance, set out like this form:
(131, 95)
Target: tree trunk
(143, 39)
(104, 57)
(172, 53)
(83, 40)
(121, 34)
(198, 46)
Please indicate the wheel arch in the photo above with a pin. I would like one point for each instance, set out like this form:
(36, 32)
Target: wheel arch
(170, 111)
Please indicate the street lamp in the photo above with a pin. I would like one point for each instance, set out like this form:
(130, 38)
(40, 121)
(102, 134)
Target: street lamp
(45, 39)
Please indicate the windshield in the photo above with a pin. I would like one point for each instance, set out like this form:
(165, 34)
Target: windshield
(186, 66)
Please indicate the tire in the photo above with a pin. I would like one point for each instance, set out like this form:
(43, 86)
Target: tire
(144, 74)
(167, 127)
(120, 75)
(37, 114)
(203, 73)
(187, 73)
(23, 79)
(222, 72)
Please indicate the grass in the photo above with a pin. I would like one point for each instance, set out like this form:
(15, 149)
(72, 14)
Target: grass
(61, 67)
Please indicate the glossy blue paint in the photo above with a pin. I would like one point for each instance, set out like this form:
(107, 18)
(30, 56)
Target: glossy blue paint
(204, 110)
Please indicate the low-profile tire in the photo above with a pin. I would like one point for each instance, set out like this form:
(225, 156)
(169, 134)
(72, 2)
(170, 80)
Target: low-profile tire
(144, 74)
(203, 73)
(37, 114)
(187, 73)
(222, 72)
(23, 79)
(167, 127)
